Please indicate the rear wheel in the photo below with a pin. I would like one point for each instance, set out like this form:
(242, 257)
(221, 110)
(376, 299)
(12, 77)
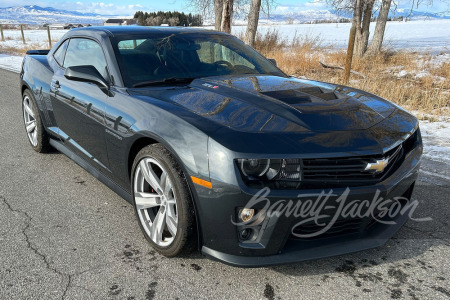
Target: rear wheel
(162, 201)
(36, 133)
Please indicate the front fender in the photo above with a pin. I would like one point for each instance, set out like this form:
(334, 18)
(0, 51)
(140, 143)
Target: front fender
(129, 120)
(183, 140)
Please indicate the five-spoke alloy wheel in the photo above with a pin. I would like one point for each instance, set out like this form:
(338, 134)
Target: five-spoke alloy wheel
(155, 202)
(33, 125)
(29, 118)
(162, 201)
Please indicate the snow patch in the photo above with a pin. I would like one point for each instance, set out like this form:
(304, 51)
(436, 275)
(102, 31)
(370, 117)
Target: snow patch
(11, 63)
(436, 139)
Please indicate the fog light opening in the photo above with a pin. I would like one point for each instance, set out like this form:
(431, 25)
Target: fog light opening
(246, 234)
(246, 214)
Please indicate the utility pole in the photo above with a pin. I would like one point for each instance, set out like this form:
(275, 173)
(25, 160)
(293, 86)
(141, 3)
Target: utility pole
(1, 31)
(23, 36)
(49, 38)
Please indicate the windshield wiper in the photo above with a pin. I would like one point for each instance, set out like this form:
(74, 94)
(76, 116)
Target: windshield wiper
(164, 81)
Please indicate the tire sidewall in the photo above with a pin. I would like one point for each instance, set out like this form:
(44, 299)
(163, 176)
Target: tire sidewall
(41, 135)
(182, 196)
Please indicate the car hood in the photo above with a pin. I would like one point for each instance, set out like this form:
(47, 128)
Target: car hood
(277, 104)
(286, 115)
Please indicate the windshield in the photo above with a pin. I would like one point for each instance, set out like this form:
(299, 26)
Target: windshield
(158, 56)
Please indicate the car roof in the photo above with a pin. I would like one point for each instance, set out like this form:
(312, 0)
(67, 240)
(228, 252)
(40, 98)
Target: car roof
(130, 30)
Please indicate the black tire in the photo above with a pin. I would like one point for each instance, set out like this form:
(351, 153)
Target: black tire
(184, 241)
(42, 142)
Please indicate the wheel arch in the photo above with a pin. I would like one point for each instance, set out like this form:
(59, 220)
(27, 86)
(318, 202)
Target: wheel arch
(23, 88)
(144, 141)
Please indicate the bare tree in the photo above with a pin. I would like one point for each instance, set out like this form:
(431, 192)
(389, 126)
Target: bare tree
(380, 27)
(208, 8)
(252, 25)
(173, 21)
(362, 13)
(256, 7)
(218, 8)
(203, 7)
(227, 16)
(363, 27)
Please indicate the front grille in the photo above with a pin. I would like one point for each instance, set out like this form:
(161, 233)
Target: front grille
(327, 173)
(340, 227)
(346, 226)
(347, 171)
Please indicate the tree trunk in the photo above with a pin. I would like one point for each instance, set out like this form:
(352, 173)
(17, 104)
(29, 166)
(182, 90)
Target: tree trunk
(378, 36)
(218, 9)
(356, 21)
(252, 26)
(362, 33)
(227, 16)
(351, 40)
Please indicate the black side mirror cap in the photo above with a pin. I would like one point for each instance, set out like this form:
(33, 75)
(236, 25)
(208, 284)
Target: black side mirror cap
(273, 61)
(86, 74)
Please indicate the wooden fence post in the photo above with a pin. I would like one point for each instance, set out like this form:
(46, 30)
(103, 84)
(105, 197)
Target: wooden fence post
(23, 37)
(49, 38)
(348, 60)
(1, 31)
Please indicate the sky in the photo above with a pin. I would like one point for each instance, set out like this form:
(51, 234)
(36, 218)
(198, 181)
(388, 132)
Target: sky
(128, 7)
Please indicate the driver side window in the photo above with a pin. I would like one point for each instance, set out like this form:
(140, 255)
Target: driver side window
(81, 52)
(211, 52)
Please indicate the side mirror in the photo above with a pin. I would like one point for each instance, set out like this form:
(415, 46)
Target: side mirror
(273, 61)
(86, 74)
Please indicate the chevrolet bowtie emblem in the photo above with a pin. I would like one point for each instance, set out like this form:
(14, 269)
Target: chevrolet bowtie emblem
(377, 166)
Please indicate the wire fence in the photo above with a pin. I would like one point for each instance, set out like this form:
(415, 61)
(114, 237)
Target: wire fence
(47, 27)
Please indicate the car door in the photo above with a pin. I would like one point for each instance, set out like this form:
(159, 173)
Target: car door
(79, 107)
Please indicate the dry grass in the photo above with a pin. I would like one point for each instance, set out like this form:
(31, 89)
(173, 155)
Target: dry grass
(421, 85)
(19, 51)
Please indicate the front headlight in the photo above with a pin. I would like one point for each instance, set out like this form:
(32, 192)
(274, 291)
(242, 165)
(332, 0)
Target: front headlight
(276, 173)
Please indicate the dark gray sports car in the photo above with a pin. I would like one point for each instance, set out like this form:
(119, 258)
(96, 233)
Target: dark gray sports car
(218, 149)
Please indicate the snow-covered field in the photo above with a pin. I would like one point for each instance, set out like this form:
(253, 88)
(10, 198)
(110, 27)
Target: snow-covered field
(433, 35)
(39, 38)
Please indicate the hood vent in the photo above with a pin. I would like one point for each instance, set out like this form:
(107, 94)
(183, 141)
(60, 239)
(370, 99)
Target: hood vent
(303, 95)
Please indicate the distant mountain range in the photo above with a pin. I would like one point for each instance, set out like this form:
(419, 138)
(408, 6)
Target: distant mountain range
(33, 14)
(320, 15)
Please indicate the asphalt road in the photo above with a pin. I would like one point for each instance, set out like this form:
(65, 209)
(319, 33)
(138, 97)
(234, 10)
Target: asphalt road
(64, 235)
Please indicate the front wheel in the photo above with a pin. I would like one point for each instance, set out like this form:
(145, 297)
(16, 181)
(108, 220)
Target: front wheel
(162, 201)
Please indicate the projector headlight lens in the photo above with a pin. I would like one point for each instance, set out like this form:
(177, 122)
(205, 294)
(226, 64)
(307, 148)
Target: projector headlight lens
(254, 167)
(270, 169)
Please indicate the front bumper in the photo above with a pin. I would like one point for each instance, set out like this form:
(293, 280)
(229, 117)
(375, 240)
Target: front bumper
(217, 208)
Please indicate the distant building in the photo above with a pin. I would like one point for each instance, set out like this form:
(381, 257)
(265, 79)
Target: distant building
(119, 22)
(57, 26)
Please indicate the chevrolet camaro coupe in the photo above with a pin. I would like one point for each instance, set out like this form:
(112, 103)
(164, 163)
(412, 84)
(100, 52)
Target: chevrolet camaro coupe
(218, 149)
